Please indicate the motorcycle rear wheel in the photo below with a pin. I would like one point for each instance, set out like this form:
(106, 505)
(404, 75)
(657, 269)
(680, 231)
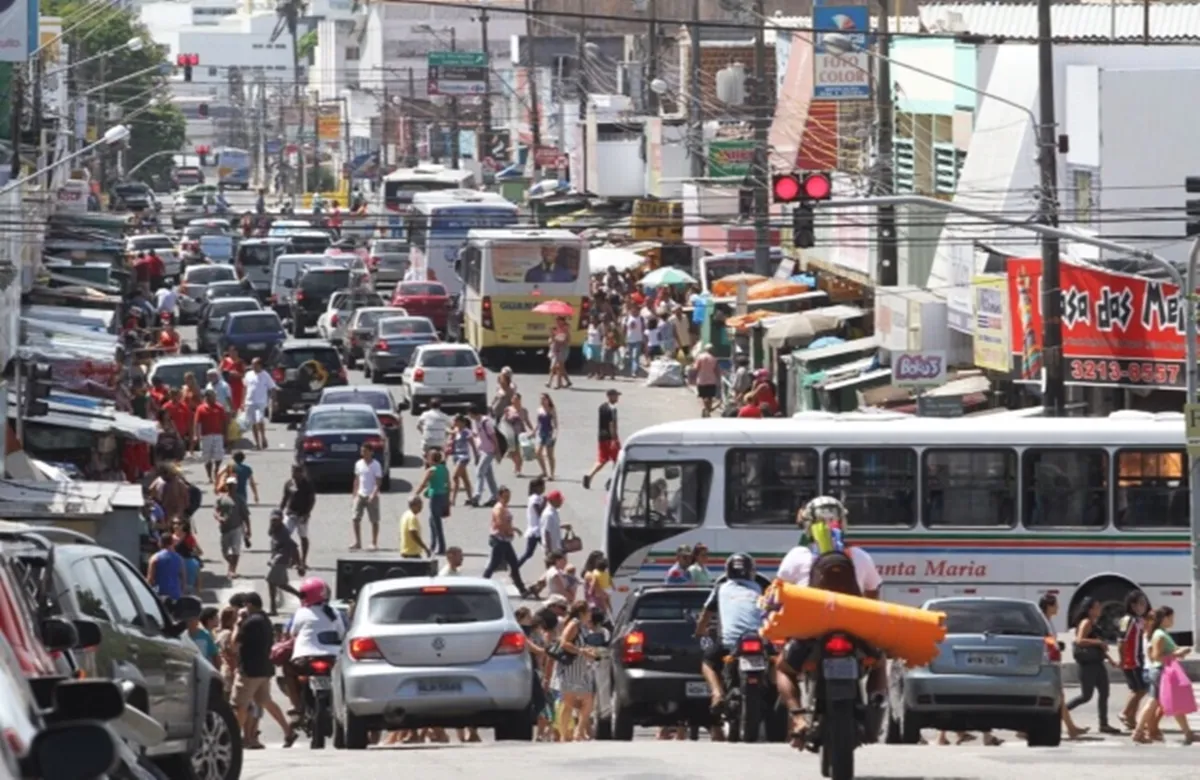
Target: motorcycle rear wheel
(839, 738)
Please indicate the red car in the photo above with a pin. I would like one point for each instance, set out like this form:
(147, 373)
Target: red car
(425, 299)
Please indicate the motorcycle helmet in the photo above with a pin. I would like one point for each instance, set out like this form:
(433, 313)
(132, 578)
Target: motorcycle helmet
(313, 592)
(823, 509)
(739, 566)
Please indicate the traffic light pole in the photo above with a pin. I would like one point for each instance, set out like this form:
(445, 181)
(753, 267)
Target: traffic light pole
(885, 181)
(19, 383)
(761, 172)
(1193, 462)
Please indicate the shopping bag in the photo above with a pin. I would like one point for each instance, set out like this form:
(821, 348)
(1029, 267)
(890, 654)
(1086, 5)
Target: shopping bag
(528, 451)
(233, 432)
(1175, 690)
(243, 422)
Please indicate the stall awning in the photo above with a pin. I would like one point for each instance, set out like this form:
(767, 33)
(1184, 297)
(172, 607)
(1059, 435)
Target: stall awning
(91, 319)
(97, 421)
(853, 382)
(836, 350)
(35, 500)
(601, 258)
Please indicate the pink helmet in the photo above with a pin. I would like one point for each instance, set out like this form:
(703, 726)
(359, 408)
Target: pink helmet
(313, 592)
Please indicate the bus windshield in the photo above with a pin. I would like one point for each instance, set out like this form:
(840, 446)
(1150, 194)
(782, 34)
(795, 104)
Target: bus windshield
(531, 262)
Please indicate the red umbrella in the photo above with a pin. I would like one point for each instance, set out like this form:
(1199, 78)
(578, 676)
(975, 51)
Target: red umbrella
(554, 308)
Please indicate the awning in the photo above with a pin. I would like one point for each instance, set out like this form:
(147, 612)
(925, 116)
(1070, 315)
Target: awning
(100, 421)
(601, 258)
(879, 375)
(845, 348)
(91, 319)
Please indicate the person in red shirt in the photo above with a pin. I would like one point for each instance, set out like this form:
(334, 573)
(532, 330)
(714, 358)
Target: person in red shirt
(181, 416)
(157, 270)
(234, 369)
(750, 410)
(210, 424)
(160, 393)
(763, 394)
(168, 338)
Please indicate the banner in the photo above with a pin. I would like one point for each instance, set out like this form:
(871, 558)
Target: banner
(1118, 330)
(993, 347)
(329, 123)
(730, 158)
(530, 262)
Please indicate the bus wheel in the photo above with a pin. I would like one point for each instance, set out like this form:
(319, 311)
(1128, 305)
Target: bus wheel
(1111, 595)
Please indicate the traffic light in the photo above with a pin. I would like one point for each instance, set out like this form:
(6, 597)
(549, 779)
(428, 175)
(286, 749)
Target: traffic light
(797, 187)
(804, 234)
(36, 390)
(1192, 185)
(187, 62)
(202, 109)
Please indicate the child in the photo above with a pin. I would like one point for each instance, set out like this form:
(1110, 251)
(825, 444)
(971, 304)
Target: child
(462, 450)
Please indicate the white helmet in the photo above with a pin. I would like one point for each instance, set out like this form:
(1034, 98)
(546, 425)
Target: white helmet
(824, 509)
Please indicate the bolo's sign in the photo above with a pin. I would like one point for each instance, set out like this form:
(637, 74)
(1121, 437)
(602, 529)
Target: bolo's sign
(918, 369)
(457, 73)
(838, 74)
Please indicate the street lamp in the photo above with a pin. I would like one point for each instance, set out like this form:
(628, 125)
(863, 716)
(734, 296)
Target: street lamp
(137, 43)
(112, 136)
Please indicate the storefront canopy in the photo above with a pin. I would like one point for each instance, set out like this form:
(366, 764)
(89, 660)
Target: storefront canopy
(97, 420)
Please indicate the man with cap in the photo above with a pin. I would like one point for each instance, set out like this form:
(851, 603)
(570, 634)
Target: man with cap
(552, 538)
(608, 438)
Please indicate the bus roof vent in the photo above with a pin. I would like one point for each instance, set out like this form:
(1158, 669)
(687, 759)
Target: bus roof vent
(1131, 414)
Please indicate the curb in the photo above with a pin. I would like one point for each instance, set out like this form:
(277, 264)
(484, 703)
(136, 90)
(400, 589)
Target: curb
(1070, 671)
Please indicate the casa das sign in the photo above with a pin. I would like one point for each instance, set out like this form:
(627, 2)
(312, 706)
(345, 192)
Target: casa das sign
(1118, 330)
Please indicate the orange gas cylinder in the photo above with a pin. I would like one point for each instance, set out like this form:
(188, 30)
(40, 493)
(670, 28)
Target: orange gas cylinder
(907, 633)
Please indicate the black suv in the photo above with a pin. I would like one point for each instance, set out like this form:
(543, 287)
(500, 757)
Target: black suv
(314, 288)
(144, 643)
(301, 370)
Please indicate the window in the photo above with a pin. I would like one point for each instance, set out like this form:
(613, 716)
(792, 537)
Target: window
(323, 282)
(1083, 196)
(151, 608)
(267, 323)
(1065, 488)
(323, 422)
(172, 374)
(1152, 489)
(878, 486)
(456, 605)
(212, 73)
(327, 357)
(380, 401)
(123, 606)
(209, 274)
(88, 591)
(448, 358)
(664, 494)
(670, 605)
(973, 488)
(422, 290)
(766, 487)
(471, 264)
(1011, 618)
(408, 326)
(352, 54)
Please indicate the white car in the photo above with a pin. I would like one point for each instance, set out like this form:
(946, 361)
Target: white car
(162, 245)
(331, 325)
(173, 368)
(452, 373)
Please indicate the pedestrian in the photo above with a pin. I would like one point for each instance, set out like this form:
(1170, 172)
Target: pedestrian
(1161, 651)
(411, 543)
(559, 349)
(368, 476)
(517, 418)
(200, 631)
(165, 572)
(634, 335)
(210, 423)
(554, 579)
(486, 448)
(547, 435)
(233, 371)
(1048, 604)
(597, 582)
(708, 380)
(435, 486)
(612, 350)
(253, 638)
(181, 416)
(551, 523)
(188, 548)
(698, 572)
(1091, 655)
(242, 477)
(533, 518)
(232, 527)
(608, 437)
(434, 426)
(260, 388)
(221, 389)
(678, 574)
(284, 554)
(454, 562)
(226, 652)
(168, 338)
(299, 500)
(463, 450)
(593, 347)
(501, 538)
(574, 670)
(1132, 652)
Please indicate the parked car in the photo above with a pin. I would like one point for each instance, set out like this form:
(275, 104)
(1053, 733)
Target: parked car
(391, 347)
(193, 288)
(379, 398)
(331, 439)
(255, 334)
(301, 370)
(342, 305)
(356, 337)
(425, 651)
(999, 667)
(173, 368)
(212, 320)
(388, 260)
(425, 299)
(314, 288)
(451, 372)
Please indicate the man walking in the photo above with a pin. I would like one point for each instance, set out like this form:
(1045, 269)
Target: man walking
(253, 638)
(210, 423)
(299, 500)
(367, 478)
(608, 439)
(485, 455)
(233, 526)
(434, 426)
(259, 388)
(708, 380)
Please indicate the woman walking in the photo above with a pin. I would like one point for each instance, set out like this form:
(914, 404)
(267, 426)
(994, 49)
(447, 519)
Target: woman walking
(1160, 651)
(435, 486)
(560, 350)
(534, 506)
(574, 669)
(506, 388)
(1091, 654)
(517, 417)
(547, 435)
(463, 450)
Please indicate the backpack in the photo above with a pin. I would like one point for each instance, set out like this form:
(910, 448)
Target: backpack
(195, 499)
(834, 571)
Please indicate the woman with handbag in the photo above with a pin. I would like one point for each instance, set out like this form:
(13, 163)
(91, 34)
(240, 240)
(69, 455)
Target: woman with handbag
(1170, 689)
(1091, 654)
(575, 657)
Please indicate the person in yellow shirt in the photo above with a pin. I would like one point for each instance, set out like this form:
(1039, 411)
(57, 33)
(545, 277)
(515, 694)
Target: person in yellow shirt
(411, 543)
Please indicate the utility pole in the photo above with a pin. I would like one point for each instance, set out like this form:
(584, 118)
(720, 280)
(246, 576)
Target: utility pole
(535, 114)
(316, 174)
(454, 131)
(262, 131)
(485, 130)
(383, 132)
(694, 109)
(651, 70)
(292, 17)
(582, 83)
(283, 183)
(762, 173)
(348, 162)
(18, 114)
(413, 157)
(101, 124)
(37, 73)
(885, 181)
(1054, 396)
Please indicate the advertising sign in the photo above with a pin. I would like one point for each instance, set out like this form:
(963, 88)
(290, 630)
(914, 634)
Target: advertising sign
(919, 369)
(18, 29)
(1118, 330)
(993, 348)
(456, 73)
(657, 220)
(528, 262)
(730, 158)
(329, 123)
(838, 75)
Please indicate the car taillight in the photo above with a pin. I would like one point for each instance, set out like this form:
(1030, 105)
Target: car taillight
(419, 375)
(277, 374)
(752, 646)
(585, 309)
(320, 666)
(364, 648)
(333, 321)
(300, 295)
(633, 648)
(381, 346)
(375, 443)
(388, 421)
(511, 643)
(480, 374)
(838, 645)
(1052, 655)
(313, 445)
(487, 313)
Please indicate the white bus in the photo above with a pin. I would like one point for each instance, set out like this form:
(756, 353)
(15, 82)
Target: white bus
(997, 505)
(402, 184)
(437, 224)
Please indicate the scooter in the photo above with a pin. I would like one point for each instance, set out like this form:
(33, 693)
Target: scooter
(316, 691)
(843, 717)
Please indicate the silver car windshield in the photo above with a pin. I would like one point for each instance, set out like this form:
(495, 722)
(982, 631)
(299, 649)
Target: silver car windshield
(435, 605)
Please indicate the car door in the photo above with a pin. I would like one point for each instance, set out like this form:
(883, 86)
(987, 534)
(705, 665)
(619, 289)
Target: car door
(178, 653)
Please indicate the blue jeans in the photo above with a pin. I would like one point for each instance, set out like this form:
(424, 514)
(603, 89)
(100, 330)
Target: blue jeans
(634, 350)
(438, 505)
(531, 545)
(485, 471)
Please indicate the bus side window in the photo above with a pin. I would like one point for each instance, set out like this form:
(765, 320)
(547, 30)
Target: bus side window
(665, 494)
(970, 488)
(1065, 488)
(768, 486)
(1152, 489)
(877, 485)
(471, 258)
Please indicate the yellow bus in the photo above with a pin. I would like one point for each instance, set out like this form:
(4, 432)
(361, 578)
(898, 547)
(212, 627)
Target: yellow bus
(506, 273)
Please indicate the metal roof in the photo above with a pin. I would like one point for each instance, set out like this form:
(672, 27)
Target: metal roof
(1107, 22)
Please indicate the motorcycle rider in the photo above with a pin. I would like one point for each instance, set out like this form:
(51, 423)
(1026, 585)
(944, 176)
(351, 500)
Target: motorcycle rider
(735, 601)
(316, 630)
(222, 201)
(796, 569)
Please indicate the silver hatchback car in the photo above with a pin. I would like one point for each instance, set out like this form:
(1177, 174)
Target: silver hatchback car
(999, 667)
(432, 651)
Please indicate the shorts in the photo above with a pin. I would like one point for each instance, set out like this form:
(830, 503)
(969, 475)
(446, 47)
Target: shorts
(212, 448)
(248, 690)
(231, 543)
(1135, 679)
(1153, 679)
(607, 450)
(714, 656)
(296, 524)
(796, 652)
(255, 414)
(706, 392)
(654, 351)
(370, 506)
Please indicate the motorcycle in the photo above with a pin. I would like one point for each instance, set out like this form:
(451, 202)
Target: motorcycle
(138, 732)
(842, 715)
(316, 690)
(748, 689)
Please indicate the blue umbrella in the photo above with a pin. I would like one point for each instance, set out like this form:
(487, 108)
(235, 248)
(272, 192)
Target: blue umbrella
(826, 341)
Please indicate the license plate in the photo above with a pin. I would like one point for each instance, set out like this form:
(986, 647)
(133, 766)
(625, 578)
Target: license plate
(840, 668)
(449, 391)
(311, 396)
(291, 374)
(696, 690)
(752, 663)
(256, 347)
(344, 448)
(320, 683)
(439, 686)
(987, 660)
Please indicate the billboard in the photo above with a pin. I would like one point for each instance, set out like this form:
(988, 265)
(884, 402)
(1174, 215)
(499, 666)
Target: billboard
(18, 29)
(528, 262)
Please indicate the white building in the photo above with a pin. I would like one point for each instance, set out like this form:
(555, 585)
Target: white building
(171, 15)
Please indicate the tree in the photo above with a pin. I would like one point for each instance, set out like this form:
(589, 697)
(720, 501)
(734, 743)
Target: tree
(154, 128)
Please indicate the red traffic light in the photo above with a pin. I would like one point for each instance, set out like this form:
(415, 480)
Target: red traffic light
(793, 187)
(817, 186)
(187, 60)
(202, 149)
(786, 188)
